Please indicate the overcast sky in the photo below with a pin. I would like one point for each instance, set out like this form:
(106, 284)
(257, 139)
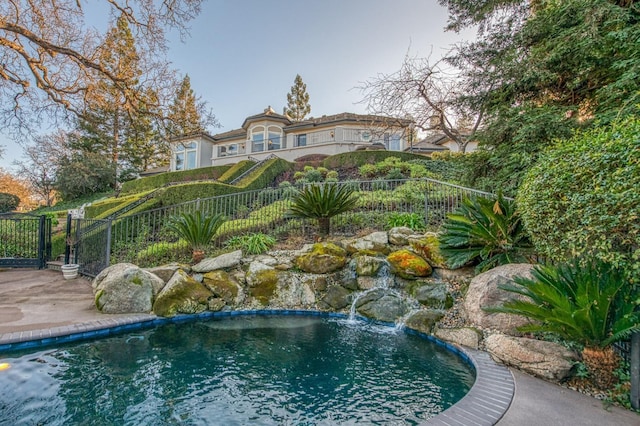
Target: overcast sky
(243, 55)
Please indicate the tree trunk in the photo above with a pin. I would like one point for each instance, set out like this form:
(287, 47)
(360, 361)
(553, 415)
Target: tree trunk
(323, 225)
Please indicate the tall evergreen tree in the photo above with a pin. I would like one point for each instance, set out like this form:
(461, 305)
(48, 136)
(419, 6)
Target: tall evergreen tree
(184, 114)
(298, 106)
(117, 122)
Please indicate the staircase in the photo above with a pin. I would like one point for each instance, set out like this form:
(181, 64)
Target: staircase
(252, 168)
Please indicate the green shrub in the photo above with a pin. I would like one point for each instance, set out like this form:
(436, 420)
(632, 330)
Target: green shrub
(236, 170)
(486, 231)
(582, 197)
(589, 303)
(355, 159)
(196, 229)
(252, 243)
(157, 181)
(414, 221)
(8, 202)
(322, 202)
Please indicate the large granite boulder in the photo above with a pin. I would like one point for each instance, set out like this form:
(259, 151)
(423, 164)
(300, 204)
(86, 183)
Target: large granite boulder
(125, 288)
(323, 258)
(543, 359)
(227, 260)
(408, 265)
(483, 292)
(382, 305)
(165, 272)
(182, 295)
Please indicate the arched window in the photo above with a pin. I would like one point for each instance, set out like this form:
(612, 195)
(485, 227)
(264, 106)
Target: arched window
(185, 156)
(274, 137)
(257, 139)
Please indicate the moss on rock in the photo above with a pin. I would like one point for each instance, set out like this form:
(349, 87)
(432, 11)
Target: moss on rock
(409, 265)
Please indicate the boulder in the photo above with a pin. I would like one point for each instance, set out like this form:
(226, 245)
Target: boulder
(223, 286)
(547, 360)
(337, 297)
(483, 292)
(399, 236)
(428, 247)
(182, 295)
(293, 291)
(434, 296)
(227, 260)
(262, 281)
(424, 320)
(408, 265)
(368, 266)
(165, 272)
(382, 305)
(322, 259)
(125, 288)
(375, 242)
(465, 336)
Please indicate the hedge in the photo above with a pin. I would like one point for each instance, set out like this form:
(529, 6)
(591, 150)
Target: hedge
(358, 158)
(258, 179)
(582, 197)
(153, 182)
(236, 170)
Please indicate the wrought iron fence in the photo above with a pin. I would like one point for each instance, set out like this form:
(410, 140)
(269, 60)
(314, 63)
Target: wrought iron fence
(88, 244)
(144, 238)
(25, 240)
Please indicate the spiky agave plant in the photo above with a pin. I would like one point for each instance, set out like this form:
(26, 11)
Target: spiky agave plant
(197, 230)
(487, 231)
(585, 301)
(322, 202)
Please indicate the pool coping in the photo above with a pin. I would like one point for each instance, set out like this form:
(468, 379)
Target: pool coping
(486, 402)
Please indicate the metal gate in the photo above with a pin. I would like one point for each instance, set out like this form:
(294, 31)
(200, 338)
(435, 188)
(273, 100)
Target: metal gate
(25, 240)
(88, 244)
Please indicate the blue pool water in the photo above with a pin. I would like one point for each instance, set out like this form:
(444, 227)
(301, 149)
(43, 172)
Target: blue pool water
(271, 370)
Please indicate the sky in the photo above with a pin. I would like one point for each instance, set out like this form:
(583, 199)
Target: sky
(243, 55)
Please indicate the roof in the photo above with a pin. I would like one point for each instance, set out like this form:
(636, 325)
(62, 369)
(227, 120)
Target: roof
(365, 119)
(191, 136)
(267, 114)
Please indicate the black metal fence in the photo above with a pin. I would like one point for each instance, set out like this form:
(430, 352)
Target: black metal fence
(88, 244)
(144, 238)
(25, 240)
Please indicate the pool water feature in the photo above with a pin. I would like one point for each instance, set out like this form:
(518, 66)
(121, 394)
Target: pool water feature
(299, 370)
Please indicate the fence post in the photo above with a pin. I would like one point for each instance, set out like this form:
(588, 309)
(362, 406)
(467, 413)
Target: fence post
(67, 238)
(108, 248)
(635, 370)
(41, 242)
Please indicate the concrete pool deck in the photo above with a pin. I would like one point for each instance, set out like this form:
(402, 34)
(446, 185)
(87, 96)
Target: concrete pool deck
(40, 304)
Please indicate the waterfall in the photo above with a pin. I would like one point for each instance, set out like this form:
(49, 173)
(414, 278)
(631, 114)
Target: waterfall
(383, 280)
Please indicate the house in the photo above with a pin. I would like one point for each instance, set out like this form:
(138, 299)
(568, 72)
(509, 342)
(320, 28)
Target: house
(269, 133)
(438, 142)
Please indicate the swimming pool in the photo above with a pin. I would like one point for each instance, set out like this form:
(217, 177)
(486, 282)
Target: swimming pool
(237, 370)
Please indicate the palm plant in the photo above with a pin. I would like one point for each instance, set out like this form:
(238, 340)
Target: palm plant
(322, 202)
(486, 231)
(589, 302)
(197, 230)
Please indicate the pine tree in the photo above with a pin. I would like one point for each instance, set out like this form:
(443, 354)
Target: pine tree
(298, 106)
(184, 114)
(115, 124)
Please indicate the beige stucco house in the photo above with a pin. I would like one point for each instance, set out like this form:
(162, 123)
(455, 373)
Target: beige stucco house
(269, 133)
